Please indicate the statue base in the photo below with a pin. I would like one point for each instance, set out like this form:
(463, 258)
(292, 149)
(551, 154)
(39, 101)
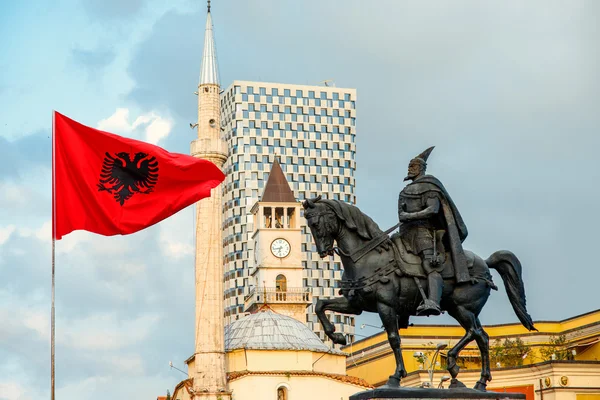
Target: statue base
(409, 393)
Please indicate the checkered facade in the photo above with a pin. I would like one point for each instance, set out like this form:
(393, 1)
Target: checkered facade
(311, 129)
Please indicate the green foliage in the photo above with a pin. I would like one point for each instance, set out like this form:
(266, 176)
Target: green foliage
(168, 395)
(509, 353)
(427, 356)
(422, 358)
(558, 348)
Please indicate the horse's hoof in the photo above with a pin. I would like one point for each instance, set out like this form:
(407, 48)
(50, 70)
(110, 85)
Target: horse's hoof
(455, 384)
(454, 370)
(339, 338)
(480, 386)
(393, 381)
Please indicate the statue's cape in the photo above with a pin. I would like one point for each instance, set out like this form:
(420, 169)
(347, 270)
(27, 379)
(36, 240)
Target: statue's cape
(456, 228)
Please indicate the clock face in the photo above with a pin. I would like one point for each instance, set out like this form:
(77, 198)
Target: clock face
(280, 248)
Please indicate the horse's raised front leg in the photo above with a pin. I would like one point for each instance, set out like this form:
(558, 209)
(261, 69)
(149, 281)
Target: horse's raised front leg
(339, 305)
(389, 318)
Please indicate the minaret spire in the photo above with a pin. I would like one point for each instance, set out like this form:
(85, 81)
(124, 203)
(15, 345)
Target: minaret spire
(209, 73)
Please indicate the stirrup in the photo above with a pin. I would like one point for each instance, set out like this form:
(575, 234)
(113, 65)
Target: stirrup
(428, 308)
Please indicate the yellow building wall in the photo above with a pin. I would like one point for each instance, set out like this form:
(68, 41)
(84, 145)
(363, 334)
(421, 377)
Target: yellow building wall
(588, 396)
(299, 388)
(590, 354)
(372, 359)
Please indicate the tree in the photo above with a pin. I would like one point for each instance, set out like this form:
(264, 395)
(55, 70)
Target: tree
(168, 395)
(556, 348)
(509, 353)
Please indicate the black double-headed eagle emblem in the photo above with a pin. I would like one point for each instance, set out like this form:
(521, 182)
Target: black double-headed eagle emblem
(123, 177)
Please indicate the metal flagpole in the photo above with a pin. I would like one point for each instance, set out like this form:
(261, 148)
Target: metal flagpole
(53, 259)
(52, 330)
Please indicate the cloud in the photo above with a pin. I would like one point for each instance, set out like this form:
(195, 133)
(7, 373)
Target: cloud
(11, 391)
(114, 305)
(165, 73)
(114, 9)
(24, 153)
(94, 61)
(5, 232)
(149, 127)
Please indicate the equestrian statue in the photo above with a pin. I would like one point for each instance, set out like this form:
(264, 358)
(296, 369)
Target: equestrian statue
(421, 270)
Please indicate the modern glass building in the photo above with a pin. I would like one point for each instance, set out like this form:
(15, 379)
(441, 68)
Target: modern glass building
(311, 130)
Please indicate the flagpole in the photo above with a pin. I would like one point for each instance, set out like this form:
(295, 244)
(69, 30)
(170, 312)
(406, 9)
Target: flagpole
(52, 330)
(53, 263)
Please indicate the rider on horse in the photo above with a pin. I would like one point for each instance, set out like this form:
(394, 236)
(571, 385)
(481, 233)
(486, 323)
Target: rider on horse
(428, 214)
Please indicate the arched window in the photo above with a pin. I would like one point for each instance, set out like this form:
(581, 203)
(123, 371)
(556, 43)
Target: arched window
(282, 393)
(280, 286)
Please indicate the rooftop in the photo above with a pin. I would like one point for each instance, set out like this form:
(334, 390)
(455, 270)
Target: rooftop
(277, 189)
(268, 330)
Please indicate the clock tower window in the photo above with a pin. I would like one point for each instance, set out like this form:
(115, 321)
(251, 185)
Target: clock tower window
(280, 286)
(267, 217)
(278, 217)
(291, 218)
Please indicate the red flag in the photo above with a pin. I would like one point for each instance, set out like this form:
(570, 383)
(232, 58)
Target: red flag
(110, 185)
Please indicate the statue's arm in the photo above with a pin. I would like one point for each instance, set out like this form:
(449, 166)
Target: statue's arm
(433, 207)
(400, 210)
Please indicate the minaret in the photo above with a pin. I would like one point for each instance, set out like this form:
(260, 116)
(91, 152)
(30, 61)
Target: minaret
(208, 368)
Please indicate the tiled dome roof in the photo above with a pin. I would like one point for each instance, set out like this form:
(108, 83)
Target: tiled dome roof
(267, 330)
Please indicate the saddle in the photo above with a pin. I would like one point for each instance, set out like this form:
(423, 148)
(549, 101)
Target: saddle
(411, 264)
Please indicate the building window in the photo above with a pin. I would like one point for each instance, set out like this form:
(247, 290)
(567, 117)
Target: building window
(282, 393)
(281, 283)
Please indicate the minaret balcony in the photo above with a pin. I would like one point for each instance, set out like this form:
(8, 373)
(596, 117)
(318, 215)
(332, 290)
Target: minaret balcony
(271, 295)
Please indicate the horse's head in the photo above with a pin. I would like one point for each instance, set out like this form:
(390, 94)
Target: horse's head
(324, 224)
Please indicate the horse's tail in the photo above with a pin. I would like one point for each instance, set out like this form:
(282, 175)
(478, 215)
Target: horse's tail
(509, 268)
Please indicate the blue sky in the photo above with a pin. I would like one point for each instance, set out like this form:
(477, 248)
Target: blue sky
(509, 92)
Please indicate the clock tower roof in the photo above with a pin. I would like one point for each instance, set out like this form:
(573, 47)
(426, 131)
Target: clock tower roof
(277, 189)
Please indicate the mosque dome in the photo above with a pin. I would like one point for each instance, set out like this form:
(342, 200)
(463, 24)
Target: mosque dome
(268, 330)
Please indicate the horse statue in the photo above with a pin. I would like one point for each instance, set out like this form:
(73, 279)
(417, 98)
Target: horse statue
(381, 276)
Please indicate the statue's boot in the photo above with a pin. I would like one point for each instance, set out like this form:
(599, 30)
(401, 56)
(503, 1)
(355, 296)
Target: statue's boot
(431, 306)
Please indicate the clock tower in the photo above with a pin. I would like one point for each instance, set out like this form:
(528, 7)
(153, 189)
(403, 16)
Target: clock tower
(277, 268)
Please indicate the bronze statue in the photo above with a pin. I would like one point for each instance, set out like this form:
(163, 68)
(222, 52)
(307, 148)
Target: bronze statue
(430, 222)
(386, 274)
